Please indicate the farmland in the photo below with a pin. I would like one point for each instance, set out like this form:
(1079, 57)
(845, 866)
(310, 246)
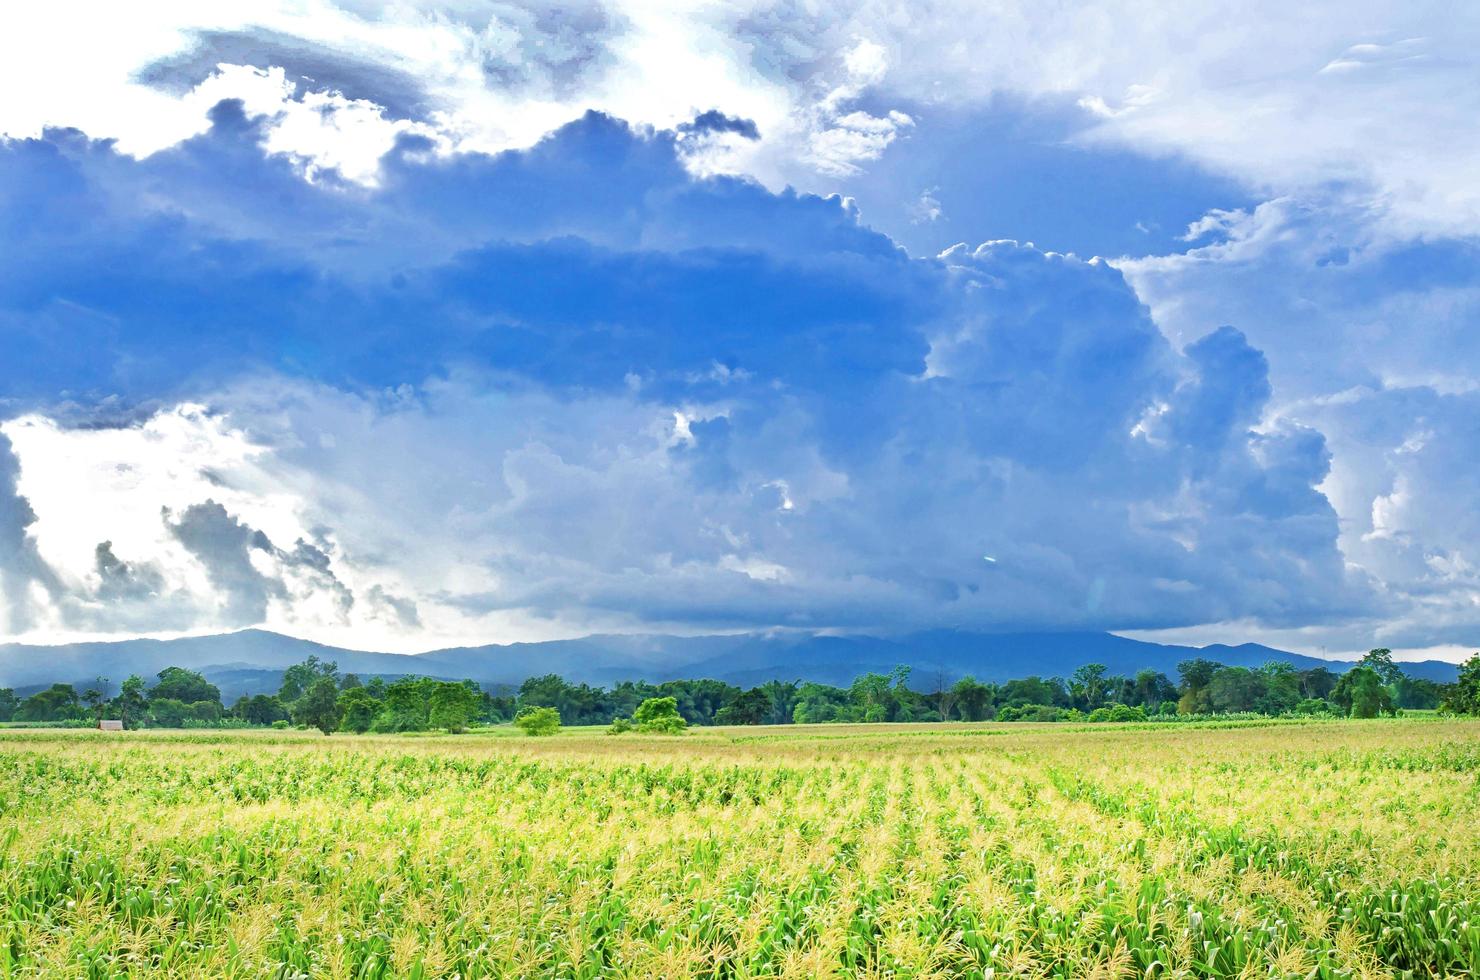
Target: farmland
(1322, 849)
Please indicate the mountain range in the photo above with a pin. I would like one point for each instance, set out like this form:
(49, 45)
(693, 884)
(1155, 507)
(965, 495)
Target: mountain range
(251, 661)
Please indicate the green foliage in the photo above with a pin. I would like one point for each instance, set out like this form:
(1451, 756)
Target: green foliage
(260, 709)
(538, 721)
(174, 713)
(452, 706)
(1117, 712)
(973, 699)
(131, 706)
(357, 709)
(187, 686)
(749, 708)
(57, 703)
(619, 726)
(660, 716)
(1463, 696)
(1313, 706)
(1361, 693)
(1381, 661)
(8, 703)
(1089, 686)
(1032, 712)
(318, 706)
(298, 678)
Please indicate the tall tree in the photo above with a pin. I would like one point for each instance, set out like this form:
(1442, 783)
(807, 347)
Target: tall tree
(1087, 686)
(318, 706)
(1463, 696)
(185, 686)
(297, 678)
(973, 698)
(748, 708)
(132, 703)
(1381, 660)
(452, 706)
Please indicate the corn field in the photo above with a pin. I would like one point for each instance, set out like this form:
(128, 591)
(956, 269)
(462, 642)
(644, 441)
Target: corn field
(1341, 849)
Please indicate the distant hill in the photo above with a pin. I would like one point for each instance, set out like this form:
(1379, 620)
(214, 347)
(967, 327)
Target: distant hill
(252, 661)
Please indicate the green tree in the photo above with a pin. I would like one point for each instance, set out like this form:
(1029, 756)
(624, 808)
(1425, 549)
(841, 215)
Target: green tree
(452, 706)
(8, 703)
(973, 698)
(298, 678)
(1235, 689)
(1196, 675)
(168, 712)
(318, 706)
(1463, 696)
(538, 720)
(95, 702)
(56, 703)
(1087, 686)
(815, 703)
(185, 686)
(1151, 687)
(1033, 690)
(408, 706)
(659, 715)
(260, 709)
(132, 703)
(1317, 683)
(1362, 693)
(783, 698)
(748, 708)
(1281, 688)
(1381, 660)
(1416, 692)
(206, 712)
(357, 709)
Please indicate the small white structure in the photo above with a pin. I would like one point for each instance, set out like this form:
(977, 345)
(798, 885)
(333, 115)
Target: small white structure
(109, 725)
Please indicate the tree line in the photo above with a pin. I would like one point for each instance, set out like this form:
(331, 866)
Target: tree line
(316, 694)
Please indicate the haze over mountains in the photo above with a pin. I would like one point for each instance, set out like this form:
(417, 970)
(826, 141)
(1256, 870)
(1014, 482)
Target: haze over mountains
(251, 661)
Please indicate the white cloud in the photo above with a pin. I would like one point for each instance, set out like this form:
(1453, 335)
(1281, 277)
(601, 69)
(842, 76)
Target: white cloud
(1284, 98)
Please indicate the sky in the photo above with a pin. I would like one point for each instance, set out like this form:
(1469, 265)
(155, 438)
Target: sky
(403, 325)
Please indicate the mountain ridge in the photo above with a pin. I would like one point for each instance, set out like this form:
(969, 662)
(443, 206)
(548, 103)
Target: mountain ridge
(250, 661)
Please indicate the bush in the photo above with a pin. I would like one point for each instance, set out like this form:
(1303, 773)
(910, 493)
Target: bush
(1117, 712)
(620, 726)
(1313, 706)
(538, 721)
(1031, 712)
(659, 716)
(282, 725)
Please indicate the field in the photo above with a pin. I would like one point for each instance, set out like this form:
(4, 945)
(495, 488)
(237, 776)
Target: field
(1303, 850)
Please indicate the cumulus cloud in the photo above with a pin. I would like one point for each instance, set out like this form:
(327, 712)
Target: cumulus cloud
(573, 386)
(754, 410)
(21, 568)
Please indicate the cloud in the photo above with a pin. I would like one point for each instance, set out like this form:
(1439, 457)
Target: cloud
(574, 387)
(225, 548)
(312, 67)
(21, 568)
(752, 411)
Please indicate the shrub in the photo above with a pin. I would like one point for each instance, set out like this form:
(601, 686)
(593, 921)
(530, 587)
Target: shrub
(660, 716)
(538, 721)
(1031, 712)
(620, 726)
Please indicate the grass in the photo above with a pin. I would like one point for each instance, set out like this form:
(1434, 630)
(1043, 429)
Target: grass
(1315, 849)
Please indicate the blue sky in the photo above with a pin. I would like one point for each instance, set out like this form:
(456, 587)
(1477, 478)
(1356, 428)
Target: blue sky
(402, 326)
